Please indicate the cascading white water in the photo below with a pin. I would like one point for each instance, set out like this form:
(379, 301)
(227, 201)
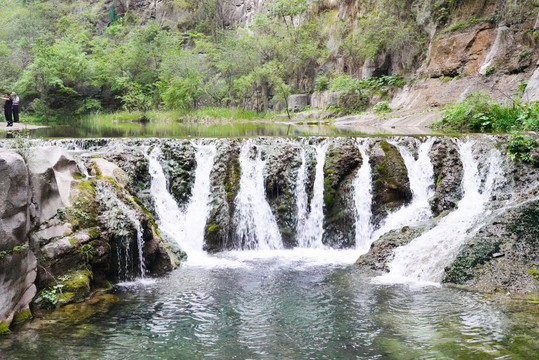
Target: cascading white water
(130, 214)
(311, 229)
(424, 259)
(362, 188)
(421, 175)
(256, 224)
(186, 227)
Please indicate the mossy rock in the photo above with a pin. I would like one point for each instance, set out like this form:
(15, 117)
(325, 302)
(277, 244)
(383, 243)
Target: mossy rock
(78, 283)
(342, 162)
(391, 184)
(22, 316)
(4, 328)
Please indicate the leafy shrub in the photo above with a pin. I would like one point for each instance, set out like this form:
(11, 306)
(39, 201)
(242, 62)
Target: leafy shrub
(520, 147)
(345, 83)
(479, 112)
(321, 83)
(382, 107)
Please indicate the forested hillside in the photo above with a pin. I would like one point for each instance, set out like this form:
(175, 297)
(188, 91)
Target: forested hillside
(76, 57)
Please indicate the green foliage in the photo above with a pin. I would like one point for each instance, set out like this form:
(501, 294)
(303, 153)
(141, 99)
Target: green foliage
(382, 107)
(388, 28)
(345, 83)
(321, 83)
(490, 70)
(520, 147)
(51, 296)
(479, 112)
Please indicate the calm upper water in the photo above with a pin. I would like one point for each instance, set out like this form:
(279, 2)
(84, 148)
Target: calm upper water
(181, 130)
(284, 306)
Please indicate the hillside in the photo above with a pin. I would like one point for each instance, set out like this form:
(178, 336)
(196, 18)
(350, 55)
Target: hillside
(72, 58)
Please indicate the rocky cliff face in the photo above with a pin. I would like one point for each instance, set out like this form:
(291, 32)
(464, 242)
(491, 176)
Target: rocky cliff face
(64, 233)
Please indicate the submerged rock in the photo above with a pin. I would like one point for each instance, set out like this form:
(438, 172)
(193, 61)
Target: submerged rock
(381, 251)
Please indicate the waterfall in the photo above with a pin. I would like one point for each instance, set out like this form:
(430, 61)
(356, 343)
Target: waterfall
(256, 224)
(311, 227)
(421, 175)
(186, 227)
(425, 258)
(362, 188)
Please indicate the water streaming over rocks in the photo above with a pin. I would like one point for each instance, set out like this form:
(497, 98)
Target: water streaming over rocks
(252, 217)
(184, 226)
(363, 201)
(421, 175)
(256, 224)
(311, 229)
(424, 259)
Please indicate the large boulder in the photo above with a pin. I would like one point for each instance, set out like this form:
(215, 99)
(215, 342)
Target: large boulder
(298, 102)
(17, 262)
(179, 164)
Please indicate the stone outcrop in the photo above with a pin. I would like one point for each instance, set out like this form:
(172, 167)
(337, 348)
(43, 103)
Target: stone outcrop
(503, 255)
(342, 163)
(381, 252)
(280, 180)
(447, 174)
(225, 182)
(298, 102)
(61, 231)
(391, 185)
(532, 89)
(17, 261)
(179, 164)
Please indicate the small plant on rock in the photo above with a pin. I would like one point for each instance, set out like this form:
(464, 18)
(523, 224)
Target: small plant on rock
(382, 107)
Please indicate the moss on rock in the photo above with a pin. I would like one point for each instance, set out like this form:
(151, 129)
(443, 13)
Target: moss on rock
(391, 185)
(22, 316)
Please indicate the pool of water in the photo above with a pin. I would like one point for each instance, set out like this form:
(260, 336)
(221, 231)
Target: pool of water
(181, 130)
(285, 305)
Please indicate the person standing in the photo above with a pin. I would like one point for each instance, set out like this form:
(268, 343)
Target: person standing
(15, 109)
(8, 109)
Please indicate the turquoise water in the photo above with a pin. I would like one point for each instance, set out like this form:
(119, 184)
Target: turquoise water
(280, 308)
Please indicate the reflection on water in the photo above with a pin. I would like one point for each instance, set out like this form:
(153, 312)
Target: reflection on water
(180, 130)
(273, 308)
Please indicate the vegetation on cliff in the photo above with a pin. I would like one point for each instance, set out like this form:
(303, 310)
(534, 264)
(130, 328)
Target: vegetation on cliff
(72, 58)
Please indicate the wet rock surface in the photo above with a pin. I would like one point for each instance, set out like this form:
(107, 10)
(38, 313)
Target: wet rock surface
(503, 255)
(381, 251)
(225, 182)
(343, 160)
(391, 185)
(281, 173)
(448, 172)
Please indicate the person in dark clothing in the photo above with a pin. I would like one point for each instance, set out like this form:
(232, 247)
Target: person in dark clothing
(8, 109)
(15, 106)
